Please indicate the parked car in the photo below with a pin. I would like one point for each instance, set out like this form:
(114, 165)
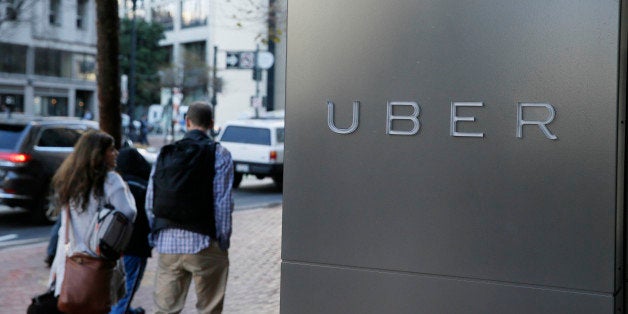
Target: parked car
(256, 146)
(31, 150)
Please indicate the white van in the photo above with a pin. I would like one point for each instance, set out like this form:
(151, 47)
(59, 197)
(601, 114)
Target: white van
(256, 146)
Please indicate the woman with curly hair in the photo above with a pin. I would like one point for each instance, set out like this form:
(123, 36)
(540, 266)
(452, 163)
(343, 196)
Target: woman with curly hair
(85, 180)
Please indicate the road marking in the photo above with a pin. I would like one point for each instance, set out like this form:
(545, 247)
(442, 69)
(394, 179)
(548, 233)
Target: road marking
(8, 237)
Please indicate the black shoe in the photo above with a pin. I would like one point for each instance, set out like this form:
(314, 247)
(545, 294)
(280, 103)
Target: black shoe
(49, 259)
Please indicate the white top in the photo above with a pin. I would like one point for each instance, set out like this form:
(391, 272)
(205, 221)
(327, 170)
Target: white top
(116, 193)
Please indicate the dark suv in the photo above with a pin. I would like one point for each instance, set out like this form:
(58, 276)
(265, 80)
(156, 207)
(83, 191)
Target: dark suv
(31, 150)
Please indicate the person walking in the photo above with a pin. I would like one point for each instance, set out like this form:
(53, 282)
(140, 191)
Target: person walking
(135, 171)
(189, 203)
(143, 137)
(83, 181)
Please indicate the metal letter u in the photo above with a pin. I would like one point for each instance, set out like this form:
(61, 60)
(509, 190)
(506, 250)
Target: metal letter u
(354, 122)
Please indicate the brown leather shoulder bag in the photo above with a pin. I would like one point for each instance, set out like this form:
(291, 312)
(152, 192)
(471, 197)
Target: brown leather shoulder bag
(86, 282)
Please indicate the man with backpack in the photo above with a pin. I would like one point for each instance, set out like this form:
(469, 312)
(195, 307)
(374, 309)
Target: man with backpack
(189, 203)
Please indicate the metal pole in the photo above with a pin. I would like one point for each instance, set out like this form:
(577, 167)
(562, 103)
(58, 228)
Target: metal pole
(256, 69)
(214, 82)
(132, 66)
(270, 72)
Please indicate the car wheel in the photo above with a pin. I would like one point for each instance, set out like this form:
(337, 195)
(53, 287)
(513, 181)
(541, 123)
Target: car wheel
(237, 179)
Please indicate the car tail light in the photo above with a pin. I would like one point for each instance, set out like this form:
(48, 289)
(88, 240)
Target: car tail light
(15, 158)
(273, 155)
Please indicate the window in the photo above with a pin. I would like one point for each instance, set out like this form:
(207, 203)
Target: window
(54, 15)
(12, 58)
(140, 8)
(51, 62)
(281, 135)
(246, 135)
(194, 13)
(81, 13)
(164, 15)
(81, 106)
(85, 67)
(195, 50)
(10, 13)
(50, 106)
(14, 101)
(59, 137)
(169, 55)
(9, 135)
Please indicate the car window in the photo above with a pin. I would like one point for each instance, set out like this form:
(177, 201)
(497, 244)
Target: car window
(9, 134)
(59, 137)
(246, 135)
(280, 135)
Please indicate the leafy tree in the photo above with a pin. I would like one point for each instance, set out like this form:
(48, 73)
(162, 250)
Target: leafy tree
(149, 56)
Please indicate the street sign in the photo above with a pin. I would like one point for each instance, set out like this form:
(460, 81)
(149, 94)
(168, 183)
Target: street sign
(256, 102)
(240, 59)
(232, 60)
(265, 60)
(246, 60)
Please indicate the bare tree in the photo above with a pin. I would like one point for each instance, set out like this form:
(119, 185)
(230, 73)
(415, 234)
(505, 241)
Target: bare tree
(192, 75)
(107, 28)
(13, 10)
(271, 13)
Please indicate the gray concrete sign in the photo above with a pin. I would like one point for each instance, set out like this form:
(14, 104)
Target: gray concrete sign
(454, 157)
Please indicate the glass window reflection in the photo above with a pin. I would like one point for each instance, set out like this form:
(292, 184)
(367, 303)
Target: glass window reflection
(194, 13)
(164, 15)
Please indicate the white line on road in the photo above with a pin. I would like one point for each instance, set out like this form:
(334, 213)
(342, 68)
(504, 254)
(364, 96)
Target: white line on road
(8, 237)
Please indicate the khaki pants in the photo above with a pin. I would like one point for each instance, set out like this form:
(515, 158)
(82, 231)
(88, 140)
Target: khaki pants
(208, 268)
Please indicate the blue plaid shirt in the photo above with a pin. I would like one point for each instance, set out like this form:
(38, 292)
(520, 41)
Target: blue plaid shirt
(179, 241)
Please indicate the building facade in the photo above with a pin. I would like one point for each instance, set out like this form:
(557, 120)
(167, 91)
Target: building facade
(196, 29)
(48, 52)
(48, 57)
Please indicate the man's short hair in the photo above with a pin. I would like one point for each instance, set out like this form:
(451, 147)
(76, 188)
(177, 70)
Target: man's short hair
(200, 114)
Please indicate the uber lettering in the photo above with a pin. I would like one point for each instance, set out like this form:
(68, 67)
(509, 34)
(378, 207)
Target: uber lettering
(413, 118)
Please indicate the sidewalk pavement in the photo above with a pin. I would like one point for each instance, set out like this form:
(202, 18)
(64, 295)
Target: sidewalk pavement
(252, 287)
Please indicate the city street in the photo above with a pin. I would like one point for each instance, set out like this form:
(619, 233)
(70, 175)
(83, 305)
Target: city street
(253, 285)
(15, 228)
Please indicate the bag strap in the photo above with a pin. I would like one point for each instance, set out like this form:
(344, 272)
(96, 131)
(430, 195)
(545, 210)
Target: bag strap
(136, 184)
(100, 205)
(67, 228)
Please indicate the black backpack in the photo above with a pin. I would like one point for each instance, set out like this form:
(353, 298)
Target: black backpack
(183, 185)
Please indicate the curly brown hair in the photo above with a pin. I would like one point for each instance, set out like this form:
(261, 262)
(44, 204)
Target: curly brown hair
(83, 171)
